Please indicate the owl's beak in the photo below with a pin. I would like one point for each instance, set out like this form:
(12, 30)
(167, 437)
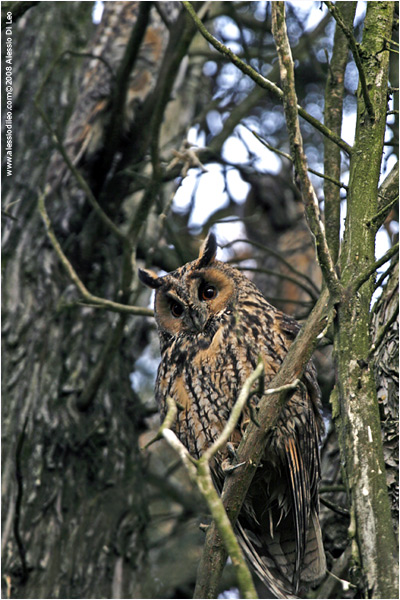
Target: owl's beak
(199, 317)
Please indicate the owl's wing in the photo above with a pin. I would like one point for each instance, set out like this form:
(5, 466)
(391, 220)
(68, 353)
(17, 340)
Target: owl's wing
(302, 459)
(278, 527)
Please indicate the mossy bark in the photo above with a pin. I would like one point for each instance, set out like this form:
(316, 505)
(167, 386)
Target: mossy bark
(358, 420)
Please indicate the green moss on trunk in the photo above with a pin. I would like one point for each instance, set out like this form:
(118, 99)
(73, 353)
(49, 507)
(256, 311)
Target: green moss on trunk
(359, 422)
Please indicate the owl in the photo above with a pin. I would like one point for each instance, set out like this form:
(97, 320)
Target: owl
(213, 324)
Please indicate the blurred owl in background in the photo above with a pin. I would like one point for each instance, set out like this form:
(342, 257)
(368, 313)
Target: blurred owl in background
(213, 325)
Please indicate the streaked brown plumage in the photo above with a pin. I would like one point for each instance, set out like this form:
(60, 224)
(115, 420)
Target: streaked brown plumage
(213, 324)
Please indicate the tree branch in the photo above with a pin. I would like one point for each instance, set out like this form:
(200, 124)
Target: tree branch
(60, 147)
(277, 255)
(72, 274)
(235, 413)
(114, 126)
(333, 117)
(262, 81)
(199, 471)
(336, 182)
(296, 143)
(253, 443)
(335, 12)
(283, 276)
(363, 277)
(388, 192)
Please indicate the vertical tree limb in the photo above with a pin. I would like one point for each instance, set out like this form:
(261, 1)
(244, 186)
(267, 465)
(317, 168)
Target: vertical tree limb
(336, 13)
(296, 144)
(333, 114)
(358, 419)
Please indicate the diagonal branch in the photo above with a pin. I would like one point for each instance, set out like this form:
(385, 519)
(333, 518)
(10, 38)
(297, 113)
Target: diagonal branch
(252, 446)
(235, 413)
(296, 144)
(279, 256)
(335, 12)
(200, 473)
(60, 147)
(335, 182)
(363, 277)
(260, 80)
(87, 296)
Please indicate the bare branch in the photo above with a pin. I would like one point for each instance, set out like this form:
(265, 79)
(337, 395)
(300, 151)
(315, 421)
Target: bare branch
(199, 471)
(235, 413)
(60, 147)
(252, 446)
(335, 12)
(285, 155)
(296, 143)
(333, 117)
(363, 277)
(277, 255)
(262, 81)
(72, 274)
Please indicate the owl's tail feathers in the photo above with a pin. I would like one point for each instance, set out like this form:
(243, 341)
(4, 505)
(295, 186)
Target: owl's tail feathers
(271, 560)
(274, 558)
(314, 562)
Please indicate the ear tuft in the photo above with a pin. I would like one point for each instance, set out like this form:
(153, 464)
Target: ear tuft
(149, 278)
(207, 251)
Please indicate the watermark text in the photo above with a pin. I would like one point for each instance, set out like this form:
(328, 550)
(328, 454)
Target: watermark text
(8, 82)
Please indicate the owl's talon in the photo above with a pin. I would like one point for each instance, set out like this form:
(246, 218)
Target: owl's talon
(231, 451)
(227, 469)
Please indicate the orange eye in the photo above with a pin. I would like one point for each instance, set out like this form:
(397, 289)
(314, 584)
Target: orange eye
(176, 309)
(207, 292)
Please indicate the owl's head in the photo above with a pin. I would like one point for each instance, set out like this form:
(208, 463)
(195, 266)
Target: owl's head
(195, 297)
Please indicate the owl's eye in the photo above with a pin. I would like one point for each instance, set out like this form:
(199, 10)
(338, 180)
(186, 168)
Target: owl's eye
(207, 291)
(176, 309)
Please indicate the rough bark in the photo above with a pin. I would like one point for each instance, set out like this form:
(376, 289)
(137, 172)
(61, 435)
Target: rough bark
(73, 511)
(75, 504)
(374, 547)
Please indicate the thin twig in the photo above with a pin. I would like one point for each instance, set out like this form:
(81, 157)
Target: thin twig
(335, 12)
(262, 81)
(335, 507)
(60, 147)
(90, 298)
(296, 143)
(235, 413)
(376, 219)
(167, 423)
(363, 277)
(283, 388)
(199, 472)
(284, 276)
(285, 155)
(277, 255)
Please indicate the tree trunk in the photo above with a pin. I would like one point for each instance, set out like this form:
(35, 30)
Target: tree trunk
(374, 547)
(74, 503)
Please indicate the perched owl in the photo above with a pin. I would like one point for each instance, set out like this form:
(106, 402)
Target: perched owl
(213, 324)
